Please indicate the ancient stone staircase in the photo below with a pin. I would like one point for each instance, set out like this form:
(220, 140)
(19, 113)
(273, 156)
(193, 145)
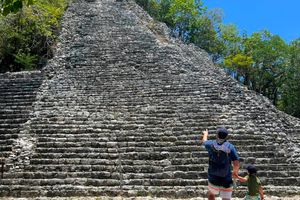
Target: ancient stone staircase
(17, 94)
(121, 109)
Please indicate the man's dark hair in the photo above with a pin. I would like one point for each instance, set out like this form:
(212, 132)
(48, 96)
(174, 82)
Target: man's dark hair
(222, 133)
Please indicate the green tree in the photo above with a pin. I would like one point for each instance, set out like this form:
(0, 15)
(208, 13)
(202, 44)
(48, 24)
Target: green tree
(290, 97)
(237, 62)
(242, 65)
(230, 39)
(185, 15)
(27, 36)
(13, 6)
(205, 33)
(270, 62)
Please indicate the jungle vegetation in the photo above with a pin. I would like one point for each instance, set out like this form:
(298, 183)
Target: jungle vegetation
(28, 32)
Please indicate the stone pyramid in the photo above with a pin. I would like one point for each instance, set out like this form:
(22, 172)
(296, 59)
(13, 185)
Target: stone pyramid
(119, 111)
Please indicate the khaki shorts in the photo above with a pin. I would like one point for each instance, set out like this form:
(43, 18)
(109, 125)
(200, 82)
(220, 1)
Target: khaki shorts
(221, 191)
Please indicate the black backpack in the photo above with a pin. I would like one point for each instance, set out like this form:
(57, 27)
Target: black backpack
(219, 159)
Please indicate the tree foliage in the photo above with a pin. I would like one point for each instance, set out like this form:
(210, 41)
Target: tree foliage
(27, 33)
(270, 55)
(290, 96)
(241, 64)
(13, 6)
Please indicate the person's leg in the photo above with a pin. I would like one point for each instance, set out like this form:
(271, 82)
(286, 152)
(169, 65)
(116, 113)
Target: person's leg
(225, 195)
(211, 196)
(212, 192)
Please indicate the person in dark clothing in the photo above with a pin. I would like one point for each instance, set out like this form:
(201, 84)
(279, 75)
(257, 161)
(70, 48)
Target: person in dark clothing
(222, 154)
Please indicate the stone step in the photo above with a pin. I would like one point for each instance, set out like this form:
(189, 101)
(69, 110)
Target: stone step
(270, 173)
(16, 103)
(10, 88)
(15, 79)
(70, 190)
(72, 150)
(128, 158)
(84, 144)
(62, 175)
(69, 132)
(96, 147)
(140, 176)
(281, 190)
(8, 135)
(4, 148)
(13, 103)
(90, 155)
(5, 154)
(179, 140)
(103, 182)
(15, 109)
(98, 142)
(245, 155)
(6, 142)
(142, 153)
(281, 181)
(18, 97)
(65, 134)
(14, 116)
(276, 166)
(110, 168)
(254, 148)
(129, 191)
(166, 182)
(63, 161)
(9, 126)
(13, 121)
(70, 168)
(166, 147)
(271, 160)
(17, 90)
(58, 181)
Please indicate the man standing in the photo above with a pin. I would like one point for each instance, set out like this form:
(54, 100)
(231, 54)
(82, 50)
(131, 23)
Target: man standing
(221, 153)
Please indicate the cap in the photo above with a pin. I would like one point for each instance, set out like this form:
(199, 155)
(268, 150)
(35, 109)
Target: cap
(251, 169)
(222, 133)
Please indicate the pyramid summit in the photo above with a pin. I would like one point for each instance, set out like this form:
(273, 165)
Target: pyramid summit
(119, 111)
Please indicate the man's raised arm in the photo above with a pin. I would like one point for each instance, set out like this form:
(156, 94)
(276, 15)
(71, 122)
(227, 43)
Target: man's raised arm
(205, 135)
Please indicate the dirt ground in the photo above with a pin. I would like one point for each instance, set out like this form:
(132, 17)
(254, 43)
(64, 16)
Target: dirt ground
(136, 198)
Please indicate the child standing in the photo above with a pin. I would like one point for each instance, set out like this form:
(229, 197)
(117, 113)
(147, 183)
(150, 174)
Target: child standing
(255, 190)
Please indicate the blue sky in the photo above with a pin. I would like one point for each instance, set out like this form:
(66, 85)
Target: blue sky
(279, 17)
